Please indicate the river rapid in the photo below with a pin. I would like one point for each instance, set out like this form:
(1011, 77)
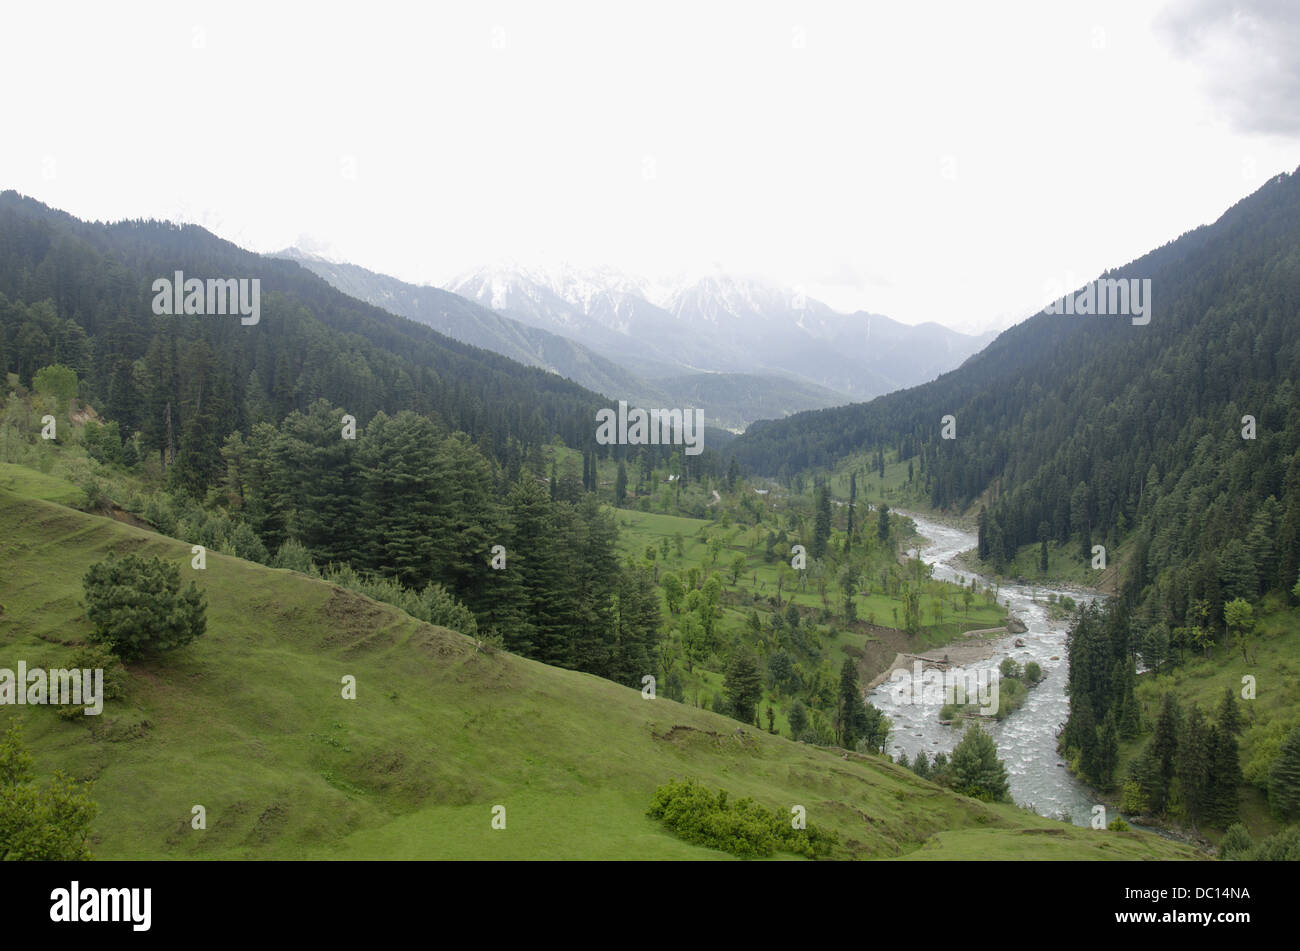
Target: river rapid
(1027, 738)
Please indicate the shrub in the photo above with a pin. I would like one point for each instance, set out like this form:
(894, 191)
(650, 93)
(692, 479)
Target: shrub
(56, 383)
(1283, 847)
(137, 606)
(1132, 799)
(244, 543)
(1033, 672)
(103, 443)
(97, 657)
(1236, 843)
(294, 556)
(96, 496)
(39, 823)
(1264, 740)
(441, 608)
(742, 827)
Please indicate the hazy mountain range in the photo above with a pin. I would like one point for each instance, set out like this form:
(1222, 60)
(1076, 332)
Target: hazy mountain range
(742, 350)
(725, 324)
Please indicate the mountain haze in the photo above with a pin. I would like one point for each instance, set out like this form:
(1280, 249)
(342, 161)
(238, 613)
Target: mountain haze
(722, 323)
(730, 400)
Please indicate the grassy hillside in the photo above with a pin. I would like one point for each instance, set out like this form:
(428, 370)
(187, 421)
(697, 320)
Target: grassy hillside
(250, 723)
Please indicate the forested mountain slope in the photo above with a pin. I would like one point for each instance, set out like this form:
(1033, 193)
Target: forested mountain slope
(1091, 429)
(467, 321)
(79, 294)
(730, 400)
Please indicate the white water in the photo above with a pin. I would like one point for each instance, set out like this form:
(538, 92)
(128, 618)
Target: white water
(1027, 738)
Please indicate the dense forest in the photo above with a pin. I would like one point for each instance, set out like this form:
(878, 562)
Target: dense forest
(78, 294)
(246, 430)
(1090, 430)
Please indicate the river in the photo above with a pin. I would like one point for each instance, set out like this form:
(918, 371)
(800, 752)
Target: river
(1027, 738)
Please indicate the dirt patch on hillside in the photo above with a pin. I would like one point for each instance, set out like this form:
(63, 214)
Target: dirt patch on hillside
(356, 622)
(682, 735)
(882, 645)
(119, 514)
(439, 642)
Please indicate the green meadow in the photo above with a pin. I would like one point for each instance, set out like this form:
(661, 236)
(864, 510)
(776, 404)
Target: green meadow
(250, 723)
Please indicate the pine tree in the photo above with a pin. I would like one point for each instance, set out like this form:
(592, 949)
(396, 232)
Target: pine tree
(852, 720)
(798, 717)
(822, 526)
(1225, 777)
(1284, 777)
(1129, 719)
(400, 492)
(1107, 754)
(638, 620)
(1228, 714)
(853, 497)
(975, 769)
(1193, 764)
(620, 484)
(743, 684)
(1162, 753)
(137, 606)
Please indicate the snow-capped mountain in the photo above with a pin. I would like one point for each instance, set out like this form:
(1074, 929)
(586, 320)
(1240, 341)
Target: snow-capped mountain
(603, 309)
(731, 400)
(719, 322)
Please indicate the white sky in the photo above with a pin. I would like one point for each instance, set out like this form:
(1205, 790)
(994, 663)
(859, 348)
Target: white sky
(926, 161)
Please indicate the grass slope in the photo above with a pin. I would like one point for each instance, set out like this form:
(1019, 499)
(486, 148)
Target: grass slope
(249, 722)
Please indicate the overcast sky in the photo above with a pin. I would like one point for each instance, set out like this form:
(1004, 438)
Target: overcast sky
(927, 161)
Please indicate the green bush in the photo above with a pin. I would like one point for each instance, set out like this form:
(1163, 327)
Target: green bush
(1033, 672)
(1284, 777)
(244, 543)
(294, 556)
(137, 606)
(1283, 847)
(742, 827)
(434, 604)
(1132, 799)
(40, 823)
(103, 442)
(1236, 843)
(57, 384)
(97, 657)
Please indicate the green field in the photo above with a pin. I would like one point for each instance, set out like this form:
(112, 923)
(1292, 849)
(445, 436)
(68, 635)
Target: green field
(250, 723)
